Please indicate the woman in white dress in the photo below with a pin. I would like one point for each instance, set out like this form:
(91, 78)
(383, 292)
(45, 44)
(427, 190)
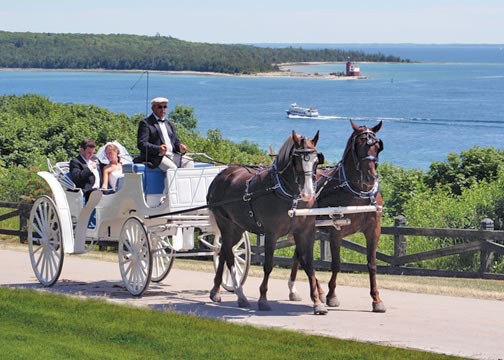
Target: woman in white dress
(113, 170)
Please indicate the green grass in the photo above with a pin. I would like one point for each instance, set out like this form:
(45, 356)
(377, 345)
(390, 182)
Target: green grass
(36, 325)
(10, 223)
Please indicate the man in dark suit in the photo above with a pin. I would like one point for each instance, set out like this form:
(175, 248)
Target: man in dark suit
(84, 169)
(158, 141)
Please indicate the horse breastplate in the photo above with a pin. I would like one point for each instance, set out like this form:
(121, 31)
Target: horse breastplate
(338, 180)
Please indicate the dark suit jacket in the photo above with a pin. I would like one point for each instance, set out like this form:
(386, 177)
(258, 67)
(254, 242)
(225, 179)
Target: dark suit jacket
(82, 176)
(149, 140)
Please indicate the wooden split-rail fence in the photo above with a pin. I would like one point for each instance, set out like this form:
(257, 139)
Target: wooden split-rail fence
(487, 241)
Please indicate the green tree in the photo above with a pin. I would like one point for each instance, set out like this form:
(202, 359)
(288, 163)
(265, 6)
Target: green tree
(461, 171)
(184, 115)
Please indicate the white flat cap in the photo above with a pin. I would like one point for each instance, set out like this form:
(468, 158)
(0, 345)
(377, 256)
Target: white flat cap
(159, 100)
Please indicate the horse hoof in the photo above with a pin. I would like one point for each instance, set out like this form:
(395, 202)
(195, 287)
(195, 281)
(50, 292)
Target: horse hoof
(215, 296)
(322, 298)
(379, 307)
(264, 306)
(319, 309)
(333, 302)
(243, 303)
(294, 297)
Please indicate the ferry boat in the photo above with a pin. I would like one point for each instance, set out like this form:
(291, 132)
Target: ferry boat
(295, 110)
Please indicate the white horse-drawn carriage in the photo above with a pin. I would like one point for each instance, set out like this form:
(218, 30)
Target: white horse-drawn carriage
(148, 241)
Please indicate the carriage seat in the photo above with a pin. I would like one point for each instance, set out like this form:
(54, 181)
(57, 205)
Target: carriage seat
(153, 180)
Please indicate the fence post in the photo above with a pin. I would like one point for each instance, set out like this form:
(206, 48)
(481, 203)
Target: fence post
(325, 246)
(24, 215)
(400, 240)
(486, 257)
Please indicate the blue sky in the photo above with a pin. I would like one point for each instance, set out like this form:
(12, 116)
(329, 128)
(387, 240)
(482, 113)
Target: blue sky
(259, 21)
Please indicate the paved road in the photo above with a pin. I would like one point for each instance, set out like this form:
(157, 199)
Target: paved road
(442, 324)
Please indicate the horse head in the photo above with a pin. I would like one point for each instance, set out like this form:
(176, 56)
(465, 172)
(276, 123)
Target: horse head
(299, 154)
(361, 154)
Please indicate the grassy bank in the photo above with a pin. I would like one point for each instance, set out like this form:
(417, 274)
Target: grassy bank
(48, 326)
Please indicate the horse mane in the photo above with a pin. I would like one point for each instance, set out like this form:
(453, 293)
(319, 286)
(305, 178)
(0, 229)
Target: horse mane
(284, 154)
(348, 146)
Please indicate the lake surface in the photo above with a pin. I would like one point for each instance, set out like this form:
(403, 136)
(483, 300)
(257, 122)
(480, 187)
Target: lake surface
(428, 110)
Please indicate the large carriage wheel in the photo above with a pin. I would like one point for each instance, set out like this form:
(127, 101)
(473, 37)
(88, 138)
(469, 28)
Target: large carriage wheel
(162, 258)
(135, 258)
(241, 252)
(45, 241)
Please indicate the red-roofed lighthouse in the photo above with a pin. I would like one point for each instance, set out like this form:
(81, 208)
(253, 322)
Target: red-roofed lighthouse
(352, 70)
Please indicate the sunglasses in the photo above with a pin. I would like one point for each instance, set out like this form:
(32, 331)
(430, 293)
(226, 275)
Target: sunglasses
(162, 106)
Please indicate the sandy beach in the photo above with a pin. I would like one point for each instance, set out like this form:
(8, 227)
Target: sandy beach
(283, 73)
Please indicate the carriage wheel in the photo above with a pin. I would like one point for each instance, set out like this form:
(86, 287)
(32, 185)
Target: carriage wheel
(162, 258)
(135, 258)
(45, 241)
(241, 252)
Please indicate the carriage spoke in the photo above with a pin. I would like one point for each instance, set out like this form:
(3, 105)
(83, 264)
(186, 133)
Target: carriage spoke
(240, 261)
(37, 250)
(37, 229)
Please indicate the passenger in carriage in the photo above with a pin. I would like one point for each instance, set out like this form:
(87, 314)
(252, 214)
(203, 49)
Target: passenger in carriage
(85, 168)
(158, 142)
(113, 171)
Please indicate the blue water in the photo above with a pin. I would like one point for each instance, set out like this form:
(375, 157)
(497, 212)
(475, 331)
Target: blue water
(429, 110)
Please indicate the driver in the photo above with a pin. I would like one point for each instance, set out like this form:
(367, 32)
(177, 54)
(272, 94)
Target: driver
(158, 141)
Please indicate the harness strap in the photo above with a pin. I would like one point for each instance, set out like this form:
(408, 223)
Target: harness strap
(345, 184)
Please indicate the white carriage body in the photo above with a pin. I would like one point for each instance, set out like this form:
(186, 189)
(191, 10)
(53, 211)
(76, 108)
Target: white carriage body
(140, 192)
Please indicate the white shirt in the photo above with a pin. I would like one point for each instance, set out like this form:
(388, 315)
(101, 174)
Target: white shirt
(164, 131)
(95, 172)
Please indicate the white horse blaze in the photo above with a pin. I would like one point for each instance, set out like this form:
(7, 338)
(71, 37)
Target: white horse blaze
(308, 190)
(292, 286)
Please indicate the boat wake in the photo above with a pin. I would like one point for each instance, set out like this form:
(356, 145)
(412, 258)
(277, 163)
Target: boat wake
(450, 122)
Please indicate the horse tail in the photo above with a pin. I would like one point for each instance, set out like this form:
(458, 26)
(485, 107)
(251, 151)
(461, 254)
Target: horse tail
(213, 223)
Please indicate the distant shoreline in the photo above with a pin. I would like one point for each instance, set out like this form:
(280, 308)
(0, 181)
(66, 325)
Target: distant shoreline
(277, 74)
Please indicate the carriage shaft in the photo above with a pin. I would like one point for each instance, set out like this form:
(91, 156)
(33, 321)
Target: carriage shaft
(339, 210)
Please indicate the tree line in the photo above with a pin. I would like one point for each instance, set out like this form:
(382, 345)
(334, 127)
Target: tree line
(134, 52)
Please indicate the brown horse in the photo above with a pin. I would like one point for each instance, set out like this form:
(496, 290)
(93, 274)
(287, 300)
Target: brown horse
(244, 199)
(352, 182)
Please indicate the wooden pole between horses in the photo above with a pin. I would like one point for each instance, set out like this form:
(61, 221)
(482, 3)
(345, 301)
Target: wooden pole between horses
(335, 210)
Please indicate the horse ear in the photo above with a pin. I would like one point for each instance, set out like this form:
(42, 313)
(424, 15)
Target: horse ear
(377, 127)
(315, 138)
(355, 127)
(295, 138)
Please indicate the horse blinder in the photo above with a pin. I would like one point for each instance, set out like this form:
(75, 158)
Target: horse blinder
(321, 158)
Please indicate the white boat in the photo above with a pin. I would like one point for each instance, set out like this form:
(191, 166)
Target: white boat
(295, 110)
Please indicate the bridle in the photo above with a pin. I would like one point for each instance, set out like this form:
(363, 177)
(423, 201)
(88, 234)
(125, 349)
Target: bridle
(305, 155)
(371, 140)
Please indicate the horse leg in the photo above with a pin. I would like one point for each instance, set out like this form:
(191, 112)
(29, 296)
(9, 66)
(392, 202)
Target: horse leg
(372, 242)
(237, 286)
(293, 294)
(269, 249)
(305, 252)
(335, 240)
(215, 292)
(321, 293)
